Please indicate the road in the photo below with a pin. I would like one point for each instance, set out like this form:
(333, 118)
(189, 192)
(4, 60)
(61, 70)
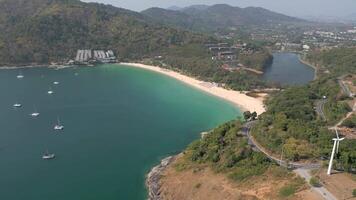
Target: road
(344, 87)
(302, 169)
(321, 190)
(320, 108)
(246, 131)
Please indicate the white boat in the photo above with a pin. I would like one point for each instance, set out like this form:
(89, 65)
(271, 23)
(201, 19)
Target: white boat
(48, 156)
(58, 126)
(50, 91)
(55, 83)
(35, 114)
(20, 76)
(17, 105)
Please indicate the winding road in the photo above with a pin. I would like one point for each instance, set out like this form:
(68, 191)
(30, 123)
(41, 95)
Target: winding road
(302, 169)
(258, 147)
(320, 108)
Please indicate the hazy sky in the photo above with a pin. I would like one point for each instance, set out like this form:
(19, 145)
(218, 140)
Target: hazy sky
(290, 7)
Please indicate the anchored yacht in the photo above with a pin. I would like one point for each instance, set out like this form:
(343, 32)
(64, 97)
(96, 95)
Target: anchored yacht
(20, 76)
(48, 156)
(58, 126)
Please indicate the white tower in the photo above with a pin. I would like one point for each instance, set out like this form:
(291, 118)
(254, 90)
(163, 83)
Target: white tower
(336, 147)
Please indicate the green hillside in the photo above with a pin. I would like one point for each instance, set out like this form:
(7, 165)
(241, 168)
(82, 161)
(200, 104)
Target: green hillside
(42, 31)
(220, 16)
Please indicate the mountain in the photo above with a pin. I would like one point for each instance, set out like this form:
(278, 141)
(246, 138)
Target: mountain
(176, 8)
(42, 31)
(210, 18)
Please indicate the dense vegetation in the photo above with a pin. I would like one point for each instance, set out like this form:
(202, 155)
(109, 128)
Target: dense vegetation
(350, 122)
(257, 60)
(338, 61)
(41, 31)
(195, 60)
(291, 124)
(44, 31)
(227, 150)
(220, 16)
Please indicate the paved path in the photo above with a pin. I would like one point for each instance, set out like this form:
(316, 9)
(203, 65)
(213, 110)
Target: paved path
(320, 108)
(302, 169)
(246, 131)
(304, 173)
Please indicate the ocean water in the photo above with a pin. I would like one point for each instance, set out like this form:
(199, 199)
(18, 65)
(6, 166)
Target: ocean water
(119, 122)
(286, 69)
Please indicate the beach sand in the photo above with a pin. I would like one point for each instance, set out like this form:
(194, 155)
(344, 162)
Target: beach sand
(246, 103)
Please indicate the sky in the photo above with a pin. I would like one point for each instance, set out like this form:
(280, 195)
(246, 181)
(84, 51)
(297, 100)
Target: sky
(299, 8)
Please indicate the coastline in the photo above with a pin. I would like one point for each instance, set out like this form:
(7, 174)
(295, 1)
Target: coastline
(35, 66)
(239, 99)
(154, 176)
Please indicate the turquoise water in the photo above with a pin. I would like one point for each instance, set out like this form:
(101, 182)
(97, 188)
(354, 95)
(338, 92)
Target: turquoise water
(119, 122)
(286, 69)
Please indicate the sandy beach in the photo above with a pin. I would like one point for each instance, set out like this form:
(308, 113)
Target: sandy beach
(246, 103)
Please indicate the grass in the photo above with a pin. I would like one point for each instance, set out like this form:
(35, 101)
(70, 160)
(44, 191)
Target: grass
(314, 181)
(287, 191)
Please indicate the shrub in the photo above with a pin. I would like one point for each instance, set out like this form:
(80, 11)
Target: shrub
(287, 191)
(314, 182)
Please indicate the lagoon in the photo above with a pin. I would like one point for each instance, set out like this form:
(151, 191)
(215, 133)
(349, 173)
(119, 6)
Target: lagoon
(287, 69)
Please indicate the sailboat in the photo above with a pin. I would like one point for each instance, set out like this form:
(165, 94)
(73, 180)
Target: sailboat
(20, 76)
(48, 156)
(50, 91)
(58, 126)
(17, 105)
(35, 114)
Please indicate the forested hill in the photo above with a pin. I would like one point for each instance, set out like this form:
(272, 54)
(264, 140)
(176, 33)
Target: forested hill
(41, 31)
(210, 18)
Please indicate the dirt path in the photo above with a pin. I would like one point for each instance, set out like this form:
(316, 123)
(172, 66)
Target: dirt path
(304, 173)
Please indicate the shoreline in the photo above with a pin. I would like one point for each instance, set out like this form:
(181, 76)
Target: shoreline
(310, 65)
(241, 100)
(153, 178)
(36, 66)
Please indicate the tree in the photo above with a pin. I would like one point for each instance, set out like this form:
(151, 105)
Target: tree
(354, 193)
(253, 115)
(247, 115)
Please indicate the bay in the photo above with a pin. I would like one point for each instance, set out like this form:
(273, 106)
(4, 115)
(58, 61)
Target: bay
(119, 122)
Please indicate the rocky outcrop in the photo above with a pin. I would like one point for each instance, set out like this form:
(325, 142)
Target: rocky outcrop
(153, 178)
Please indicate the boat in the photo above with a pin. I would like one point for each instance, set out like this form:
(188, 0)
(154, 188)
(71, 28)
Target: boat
(35, 114)
(55, 82)
(58, 126)
(20, 76)
(50, 91)
(17, 105)
(48, 156)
